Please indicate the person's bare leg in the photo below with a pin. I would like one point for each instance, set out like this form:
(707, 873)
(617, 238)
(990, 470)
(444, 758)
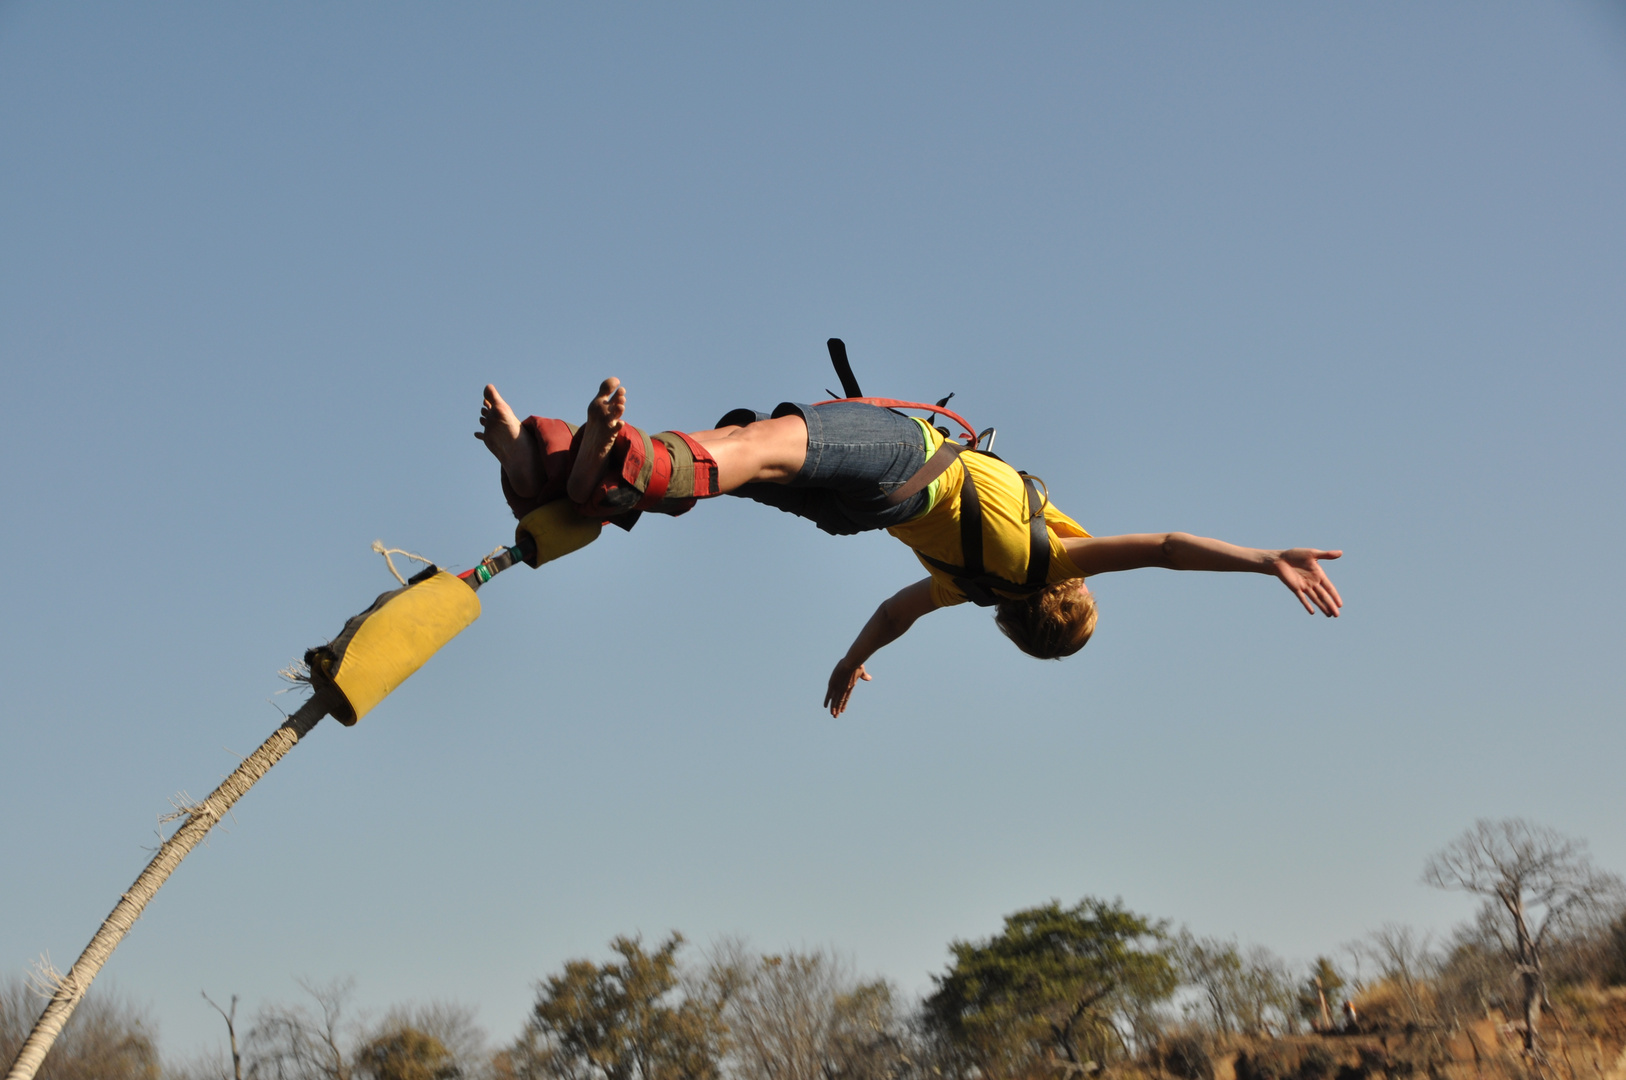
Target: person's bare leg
(509, 442)
(768, 450)
(604, 421)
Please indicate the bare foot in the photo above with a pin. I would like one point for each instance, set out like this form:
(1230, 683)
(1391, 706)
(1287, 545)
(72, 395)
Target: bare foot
(509, 442)
(604, 414)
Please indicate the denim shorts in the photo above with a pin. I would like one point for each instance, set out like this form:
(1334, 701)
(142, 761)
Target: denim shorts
(856, 455)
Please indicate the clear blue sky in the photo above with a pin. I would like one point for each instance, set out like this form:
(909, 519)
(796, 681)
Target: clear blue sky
(1339, 275)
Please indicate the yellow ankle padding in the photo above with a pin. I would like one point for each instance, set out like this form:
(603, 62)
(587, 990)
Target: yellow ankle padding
(383, 645)
(556, 529)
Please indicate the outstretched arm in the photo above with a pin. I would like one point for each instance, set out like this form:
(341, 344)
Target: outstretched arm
(1297, 568)
(891, 620)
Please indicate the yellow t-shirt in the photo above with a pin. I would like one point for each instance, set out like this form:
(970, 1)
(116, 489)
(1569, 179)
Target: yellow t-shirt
(1005, 544)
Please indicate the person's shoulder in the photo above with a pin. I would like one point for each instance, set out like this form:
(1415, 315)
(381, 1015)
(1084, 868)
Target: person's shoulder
(1062, 525)
(944, 593)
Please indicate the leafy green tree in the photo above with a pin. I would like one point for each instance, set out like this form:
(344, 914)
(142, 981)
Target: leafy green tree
(405, 1053)
(1057, 985)
(624, 1020)
(1321, 994)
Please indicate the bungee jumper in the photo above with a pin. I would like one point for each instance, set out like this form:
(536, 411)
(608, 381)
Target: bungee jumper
(985, 532)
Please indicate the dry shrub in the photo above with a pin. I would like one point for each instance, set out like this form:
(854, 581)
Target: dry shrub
(1317, 1063)
(1187, 1054)
(1593, 1012)
(107, 1038)
(1121, 1071)
(1387, 1005)
(1290, 1059)
(1267, 1061)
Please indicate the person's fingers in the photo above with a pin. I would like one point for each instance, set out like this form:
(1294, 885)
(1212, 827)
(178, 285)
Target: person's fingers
(835, 693)
(838, 701)
(1329, 554)
(1305, 600)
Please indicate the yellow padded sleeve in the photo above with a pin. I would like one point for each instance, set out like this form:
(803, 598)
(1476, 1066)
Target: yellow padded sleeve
(397, 638)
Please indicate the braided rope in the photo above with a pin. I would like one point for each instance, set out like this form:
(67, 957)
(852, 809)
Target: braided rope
(200, 818)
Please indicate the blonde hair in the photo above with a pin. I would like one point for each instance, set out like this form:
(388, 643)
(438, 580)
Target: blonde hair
(1054, 622)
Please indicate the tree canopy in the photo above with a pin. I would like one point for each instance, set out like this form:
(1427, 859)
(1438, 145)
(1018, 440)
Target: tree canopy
(1064, 984)
(405, 1053)
(623, 1020)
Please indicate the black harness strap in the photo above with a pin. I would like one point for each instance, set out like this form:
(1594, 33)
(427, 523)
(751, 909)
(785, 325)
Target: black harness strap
(844, 369)
(973, 578)
(971, 537)
(1038, 536)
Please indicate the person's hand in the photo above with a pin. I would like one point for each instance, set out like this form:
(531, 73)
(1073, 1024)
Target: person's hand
(842, 681)
(1300, 570)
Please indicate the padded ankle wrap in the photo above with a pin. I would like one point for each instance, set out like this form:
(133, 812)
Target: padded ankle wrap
(665, 473)
(553, 451)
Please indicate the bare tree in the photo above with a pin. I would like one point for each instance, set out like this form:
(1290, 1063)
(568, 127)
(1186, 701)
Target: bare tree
(231, 1032)
(783, 1017)
(288, 1042)
(1405, 960)
(1215, 968)
(1472, 977)
(806, 1016)
(1249, 992)
(1536, 882)
(106, 1038)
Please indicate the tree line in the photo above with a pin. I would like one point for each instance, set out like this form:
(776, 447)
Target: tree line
(1062, 991)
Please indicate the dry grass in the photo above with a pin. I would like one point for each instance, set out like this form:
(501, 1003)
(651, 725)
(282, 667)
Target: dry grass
(1584, 1039)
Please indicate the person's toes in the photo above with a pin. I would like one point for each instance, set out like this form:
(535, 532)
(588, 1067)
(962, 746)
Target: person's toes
(609, 390)
(495, 404)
